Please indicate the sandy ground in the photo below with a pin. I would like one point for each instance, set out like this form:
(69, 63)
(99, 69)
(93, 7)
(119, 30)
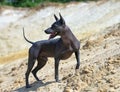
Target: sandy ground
(100, 49)
(99, 70)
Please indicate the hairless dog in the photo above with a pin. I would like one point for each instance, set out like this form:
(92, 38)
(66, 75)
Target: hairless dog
(59, 48)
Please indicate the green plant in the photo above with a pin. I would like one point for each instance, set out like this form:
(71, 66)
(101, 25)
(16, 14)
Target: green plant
(32, 3)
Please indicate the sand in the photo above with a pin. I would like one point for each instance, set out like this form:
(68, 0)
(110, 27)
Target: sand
(99, 69)
(100, 55)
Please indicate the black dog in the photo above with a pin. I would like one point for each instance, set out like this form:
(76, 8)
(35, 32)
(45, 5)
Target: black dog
(60, 48)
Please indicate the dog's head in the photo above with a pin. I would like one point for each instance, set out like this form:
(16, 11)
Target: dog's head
(57, 27)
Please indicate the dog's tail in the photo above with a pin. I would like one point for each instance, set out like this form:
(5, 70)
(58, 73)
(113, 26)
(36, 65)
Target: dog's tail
(26, 38)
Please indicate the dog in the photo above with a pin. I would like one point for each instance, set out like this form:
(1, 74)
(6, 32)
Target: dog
(60, 48)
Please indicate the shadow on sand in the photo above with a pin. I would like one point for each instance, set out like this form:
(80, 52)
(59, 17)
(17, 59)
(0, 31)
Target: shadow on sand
(34, 87)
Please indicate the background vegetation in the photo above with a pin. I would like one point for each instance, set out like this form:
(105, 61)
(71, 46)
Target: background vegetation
(32, 3)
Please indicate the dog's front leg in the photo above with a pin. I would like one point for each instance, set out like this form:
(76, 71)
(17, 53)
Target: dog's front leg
(77, 55)
(57, 60)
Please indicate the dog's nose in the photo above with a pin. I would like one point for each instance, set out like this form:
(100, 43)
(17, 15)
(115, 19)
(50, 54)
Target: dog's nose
(46, 31)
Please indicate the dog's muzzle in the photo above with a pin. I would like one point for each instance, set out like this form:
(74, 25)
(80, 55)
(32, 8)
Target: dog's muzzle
(51, 32)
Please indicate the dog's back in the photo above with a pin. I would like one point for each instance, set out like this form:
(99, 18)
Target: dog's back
(48, 47)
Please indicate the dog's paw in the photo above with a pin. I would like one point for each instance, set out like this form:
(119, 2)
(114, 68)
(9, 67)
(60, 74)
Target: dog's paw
(28, 86)
(41, 82)
(58, 81)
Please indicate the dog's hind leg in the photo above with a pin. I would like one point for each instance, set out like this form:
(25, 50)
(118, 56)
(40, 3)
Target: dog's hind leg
(41, 63)
(31, 62)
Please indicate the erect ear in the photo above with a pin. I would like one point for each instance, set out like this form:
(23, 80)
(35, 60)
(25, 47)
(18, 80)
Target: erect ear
(62, 19)
(56, 18)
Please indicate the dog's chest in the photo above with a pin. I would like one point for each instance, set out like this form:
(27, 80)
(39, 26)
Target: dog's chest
(66, 55)
(71, 44)
(63, 52)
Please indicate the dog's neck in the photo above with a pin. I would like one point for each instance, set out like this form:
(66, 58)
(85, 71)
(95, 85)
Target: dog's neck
(67, 36)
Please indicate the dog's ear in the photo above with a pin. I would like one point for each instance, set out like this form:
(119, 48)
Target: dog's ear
(56, 18)
(62, 19)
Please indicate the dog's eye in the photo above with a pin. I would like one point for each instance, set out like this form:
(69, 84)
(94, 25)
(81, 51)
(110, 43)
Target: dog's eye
(55, 25)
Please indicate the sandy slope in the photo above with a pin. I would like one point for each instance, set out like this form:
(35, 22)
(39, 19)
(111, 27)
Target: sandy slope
(97, 25)
(99, 71)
